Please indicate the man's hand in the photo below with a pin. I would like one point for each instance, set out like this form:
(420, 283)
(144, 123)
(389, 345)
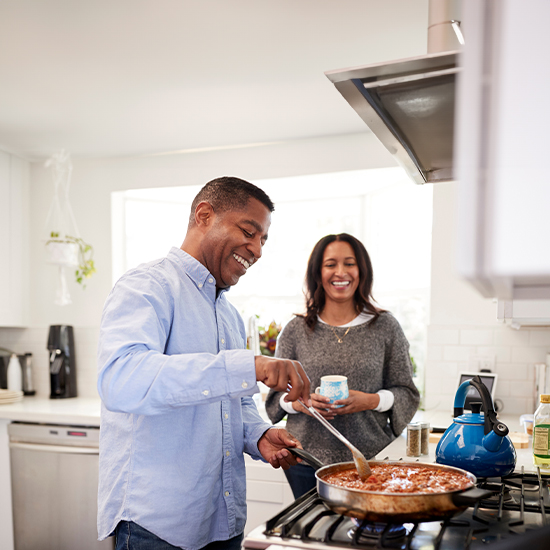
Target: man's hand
(272, 446)
(283, 375)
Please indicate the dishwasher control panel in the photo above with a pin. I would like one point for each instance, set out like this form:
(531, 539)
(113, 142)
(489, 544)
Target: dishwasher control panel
(54, 434)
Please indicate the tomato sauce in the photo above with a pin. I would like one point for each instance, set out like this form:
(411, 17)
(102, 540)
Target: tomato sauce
(389, 478)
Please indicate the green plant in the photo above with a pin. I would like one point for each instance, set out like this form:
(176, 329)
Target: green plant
(268, 338)
(86, 265)
(413, 362)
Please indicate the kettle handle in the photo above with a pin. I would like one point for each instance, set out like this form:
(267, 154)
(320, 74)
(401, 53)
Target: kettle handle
(487, 402)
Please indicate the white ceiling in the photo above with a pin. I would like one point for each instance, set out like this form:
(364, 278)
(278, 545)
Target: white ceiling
(109, 78)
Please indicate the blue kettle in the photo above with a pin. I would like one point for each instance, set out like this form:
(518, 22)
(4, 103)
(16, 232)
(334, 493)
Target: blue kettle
(477, 442)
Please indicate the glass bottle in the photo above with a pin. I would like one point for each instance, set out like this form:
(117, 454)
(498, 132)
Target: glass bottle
(541, 433)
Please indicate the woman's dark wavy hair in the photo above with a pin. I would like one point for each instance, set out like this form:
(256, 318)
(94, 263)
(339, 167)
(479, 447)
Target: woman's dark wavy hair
(315, 293)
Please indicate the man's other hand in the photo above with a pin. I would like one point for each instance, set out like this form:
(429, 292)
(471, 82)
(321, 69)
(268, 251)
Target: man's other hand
(283, 375)
(272, 446)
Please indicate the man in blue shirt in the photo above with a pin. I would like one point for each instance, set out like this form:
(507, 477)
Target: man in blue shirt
(176, 383)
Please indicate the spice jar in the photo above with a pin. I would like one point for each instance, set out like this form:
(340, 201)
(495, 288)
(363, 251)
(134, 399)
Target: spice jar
(425, 438)
(413, 439)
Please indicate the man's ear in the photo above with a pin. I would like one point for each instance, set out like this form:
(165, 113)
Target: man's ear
(204, 215)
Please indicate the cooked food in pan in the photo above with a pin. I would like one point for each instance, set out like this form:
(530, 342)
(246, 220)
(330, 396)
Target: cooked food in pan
(387, 478)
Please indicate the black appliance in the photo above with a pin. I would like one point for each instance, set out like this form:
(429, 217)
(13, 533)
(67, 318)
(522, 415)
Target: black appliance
(62, 362)
(4, 361)
(517, 515)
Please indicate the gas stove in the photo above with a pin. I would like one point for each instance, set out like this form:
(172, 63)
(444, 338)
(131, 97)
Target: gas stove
(517, 515)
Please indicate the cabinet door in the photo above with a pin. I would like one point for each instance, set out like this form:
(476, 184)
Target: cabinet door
(5, 263)
(14, 241)
(54, 494)
(502, 157)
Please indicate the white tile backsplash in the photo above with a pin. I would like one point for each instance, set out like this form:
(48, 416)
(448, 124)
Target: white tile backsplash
(515, 352)
(501, 353)
(443, 337)
(470, 337)
(509, 337)
(456, 353)
(539, 337)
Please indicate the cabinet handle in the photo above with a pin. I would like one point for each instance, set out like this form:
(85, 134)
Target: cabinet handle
(55, 448)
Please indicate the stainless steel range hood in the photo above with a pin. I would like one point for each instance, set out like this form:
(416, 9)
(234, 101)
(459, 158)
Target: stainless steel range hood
(409, 104)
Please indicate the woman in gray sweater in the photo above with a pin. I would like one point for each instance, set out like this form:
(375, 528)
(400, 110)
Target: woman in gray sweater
(344, 333)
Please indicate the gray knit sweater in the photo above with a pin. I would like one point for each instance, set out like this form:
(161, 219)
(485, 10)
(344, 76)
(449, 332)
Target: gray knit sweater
(374, 356)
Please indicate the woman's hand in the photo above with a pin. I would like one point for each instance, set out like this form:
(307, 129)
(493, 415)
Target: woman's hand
(320, 403)
(356, 402)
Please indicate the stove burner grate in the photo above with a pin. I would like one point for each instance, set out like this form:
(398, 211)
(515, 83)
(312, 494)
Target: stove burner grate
(520, 503)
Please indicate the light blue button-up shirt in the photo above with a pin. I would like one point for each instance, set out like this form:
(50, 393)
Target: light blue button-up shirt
(175, 380)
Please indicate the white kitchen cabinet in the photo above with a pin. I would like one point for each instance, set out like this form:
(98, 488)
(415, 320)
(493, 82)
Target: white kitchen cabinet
(267, 492)
(6, 517)
(524, 313)
(14, 241)
(501, 149)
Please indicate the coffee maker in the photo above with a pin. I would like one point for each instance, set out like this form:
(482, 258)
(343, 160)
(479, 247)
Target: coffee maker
(62, 362)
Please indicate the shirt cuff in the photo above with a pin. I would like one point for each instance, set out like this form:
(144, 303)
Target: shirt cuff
(386, 400)
(286, 406)
(240, 372)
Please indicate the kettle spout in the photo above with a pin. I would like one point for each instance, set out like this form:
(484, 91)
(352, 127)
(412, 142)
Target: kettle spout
(493, 440)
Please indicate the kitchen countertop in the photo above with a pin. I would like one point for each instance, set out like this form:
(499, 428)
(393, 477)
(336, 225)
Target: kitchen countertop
(79, 411)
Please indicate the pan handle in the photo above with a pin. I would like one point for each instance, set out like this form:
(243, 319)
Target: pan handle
(306, 457)
(470, 496)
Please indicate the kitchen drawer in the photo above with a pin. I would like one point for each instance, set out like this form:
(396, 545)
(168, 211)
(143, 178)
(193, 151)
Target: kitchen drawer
(261, 471)
(265, 491)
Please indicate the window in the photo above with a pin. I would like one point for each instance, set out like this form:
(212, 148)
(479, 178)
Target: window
(382, 208)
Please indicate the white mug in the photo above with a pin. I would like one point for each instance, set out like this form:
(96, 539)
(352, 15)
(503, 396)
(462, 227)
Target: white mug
(334, 387)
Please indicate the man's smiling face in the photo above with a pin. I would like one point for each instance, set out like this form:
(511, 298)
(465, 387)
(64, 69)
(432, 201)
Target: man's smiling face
(234, 242)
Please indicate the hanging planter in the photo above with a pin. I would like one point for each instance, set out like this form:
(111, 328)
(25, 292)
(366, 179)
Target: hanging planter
(72, 252)
(64, 247)
(62, 253)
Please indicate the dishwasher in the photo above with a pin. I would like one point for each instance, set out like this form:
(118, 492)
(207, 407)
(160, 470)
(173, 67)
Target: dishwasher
(54, 477)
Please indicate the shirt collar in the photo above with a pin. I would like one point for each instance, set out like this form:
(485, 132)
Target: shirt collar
(196, 271)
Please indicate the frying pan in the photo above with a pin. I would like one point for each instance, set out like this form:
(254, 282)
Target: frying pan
(391, 507)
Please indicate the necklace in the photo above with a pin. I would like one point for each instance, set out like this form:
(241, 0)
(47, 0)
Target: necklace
(338, 337)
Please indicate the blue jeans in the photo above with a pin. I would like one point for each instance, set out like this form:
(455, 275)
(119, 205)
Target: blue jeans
(130, 536)
(301, 479)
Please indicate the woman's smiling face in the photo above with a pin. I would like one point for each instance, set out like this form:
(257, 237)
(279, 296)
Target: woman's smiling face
(339, 272)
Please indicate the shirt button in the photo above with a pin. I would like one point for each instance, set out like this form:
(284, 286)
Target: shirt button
(223, 341)
(200, 285)
(210, 280)
(205, 392)
(226, 493)
(227, 453)
(244, 384)
(226, 415)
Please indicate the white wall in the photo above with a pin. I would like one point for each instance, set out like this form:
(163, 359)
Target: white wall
(90, 195)
(462, 323)
(463, 326)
